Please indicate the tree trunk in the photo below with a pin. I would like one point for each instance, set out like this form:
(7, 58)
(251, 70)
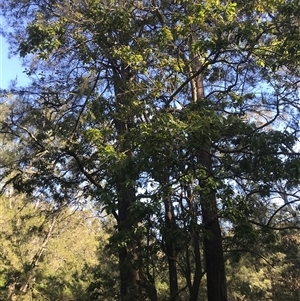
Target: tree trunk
(194, 291)
(125, 189)
(215, 269)
(213, 249)
(193, 285)
(170, 249)
(129, 274)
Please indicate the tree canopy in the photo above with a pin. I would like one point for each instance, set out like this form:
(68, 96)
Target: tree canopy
(178, 118)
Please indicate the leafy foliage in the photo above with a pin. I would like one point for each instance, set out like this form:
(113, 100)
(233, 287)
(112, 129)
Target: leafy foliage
(41, 260)
(177, 118)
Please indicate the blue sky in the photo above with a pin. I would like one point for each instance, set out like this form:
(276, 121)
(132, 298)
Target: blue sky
(10, 68)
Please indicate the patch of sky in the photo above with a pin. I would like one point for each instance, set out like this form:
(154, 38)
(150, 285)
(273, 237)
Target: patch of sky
(11, 67)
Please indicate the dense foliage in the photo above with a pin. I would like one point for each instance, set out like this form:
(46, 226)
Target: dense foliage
(42, 254)
(177, 118)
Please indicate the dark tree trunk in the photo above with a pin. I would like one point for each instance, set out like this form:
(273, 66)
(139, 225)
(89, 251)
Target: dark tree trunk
(129, 273)
(170, 241)
(214, 261)
(193, 284)
(215, 270)
(194, 291)
(125, 189)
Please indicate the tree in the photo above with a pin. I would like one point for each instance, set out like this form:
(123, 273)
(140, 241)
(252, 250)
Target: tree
(41, 255)
(171, 116)
(262, 263)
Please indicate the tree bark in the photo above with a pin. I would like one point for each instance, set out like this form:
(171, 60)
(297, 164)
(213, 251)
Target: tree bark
(129, 274)
(125, 189)
(170, 249)
(194, 291)
(214, 260)
(193, 284)
(213, 249)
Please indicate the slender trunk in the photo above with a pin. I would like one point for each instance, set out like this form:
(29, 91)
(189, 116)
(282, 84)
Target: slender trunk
(36, 258)
(170, 249)
(147, 279)
(198, 268)
(193, 285)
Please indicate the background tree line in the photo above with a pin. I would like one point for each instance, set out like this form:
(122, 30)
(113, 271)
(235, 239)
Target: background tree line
(79, 261)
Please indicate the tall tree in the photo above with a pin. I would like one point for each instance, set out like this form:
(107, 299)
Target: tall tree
(169, 115)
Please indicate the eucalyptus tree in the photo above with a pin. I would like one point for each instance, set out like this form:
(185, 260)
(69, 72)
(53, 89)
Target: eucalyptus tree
(170, 116)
